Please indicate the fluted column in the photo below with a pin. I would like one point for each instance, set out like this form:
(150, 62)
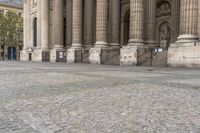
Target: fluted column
(115, 23)
(28, 24)
(77, 24)
(188, 21)
(89, 23)
(150, 22)
(101, 23)
(38, 23)
(58, 21)
(136, 22)
(199, 20)
(68, 23)
(45, 24)
(25, 24)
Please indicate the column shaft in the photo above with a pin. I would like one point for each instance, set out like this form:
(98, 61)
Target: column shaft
(136, 22)
(101, 23)
(188, 21)
(25, 24)
(68, 23)
(89, 23)
(115, 23)
(77, 24)
(45, 24)
(199, 19)
(39, 24)
(150, 22)
(58, 21)
(28, 24)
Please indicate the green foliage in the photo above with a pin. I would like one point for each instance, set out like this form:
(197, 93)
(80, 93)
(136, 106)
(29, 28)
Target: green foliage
(11, 25)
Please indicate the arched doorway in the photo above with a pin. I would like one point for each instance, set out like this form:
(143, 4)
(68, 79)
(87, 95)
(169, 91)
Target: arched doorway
(126, 27)
(11, 53)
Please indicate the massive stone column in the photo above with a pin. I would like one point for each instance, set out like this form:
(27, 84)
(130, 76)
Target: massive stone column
(199, 20)
(29, 26)
(68, 23)
(27, 31)
(77, 24)
(58, 53)
(101, 32)
(58, 22)
(136, 22)
(44, 53)
(188, 22)
(89, 23)
(39, 23)
(115, 24)
(185, 52)
(76, 30)
(45, 24)
(25, 9)
(150, 22)
(129, 54)
(101, 24)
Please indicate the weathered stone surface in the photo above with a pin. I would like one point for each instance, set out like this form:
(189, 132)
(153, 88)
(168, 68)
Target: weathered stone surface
(184, 56)
(128, 56)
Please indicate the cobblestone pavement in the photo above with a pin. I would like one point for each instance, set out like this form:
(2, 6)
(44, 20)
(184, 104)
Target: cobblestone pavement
(80, 98)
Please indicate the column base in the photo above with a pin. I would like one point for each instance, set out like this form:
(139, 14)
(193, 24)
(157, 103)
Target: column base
(184, 56)
(58, 55)
(114, 45)
(41, 55)
(106, 56)
(186, 40)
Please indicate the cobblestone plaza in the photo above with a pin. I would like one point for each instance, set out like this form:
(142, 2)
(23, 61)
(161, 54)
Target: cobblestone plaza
(73, 98)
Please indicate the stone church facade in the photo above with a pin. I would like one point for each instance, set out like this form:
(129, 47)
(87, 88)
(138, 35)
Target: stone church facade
(119, 32)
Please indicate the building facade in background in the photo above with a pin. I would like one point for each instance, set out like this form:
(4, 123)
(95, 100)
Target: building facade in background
(11, 52)
(121, 32)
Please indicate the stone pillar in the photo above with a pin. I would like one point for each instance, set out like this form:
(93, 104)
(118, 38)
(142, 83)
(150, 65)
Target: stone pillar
(101, 24)
(185, 52)
(58, 53)
(44, 53)
(68, 23)
(76, 30)
(27, 31)
(129, 54)
(150, 23)
(29, 26)
(115, 24)
(188, 22)
(89, 23)
(101, 32)
(136, 22)
(199, 20)
(25, 9)
(77, 24)
(38, 23)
